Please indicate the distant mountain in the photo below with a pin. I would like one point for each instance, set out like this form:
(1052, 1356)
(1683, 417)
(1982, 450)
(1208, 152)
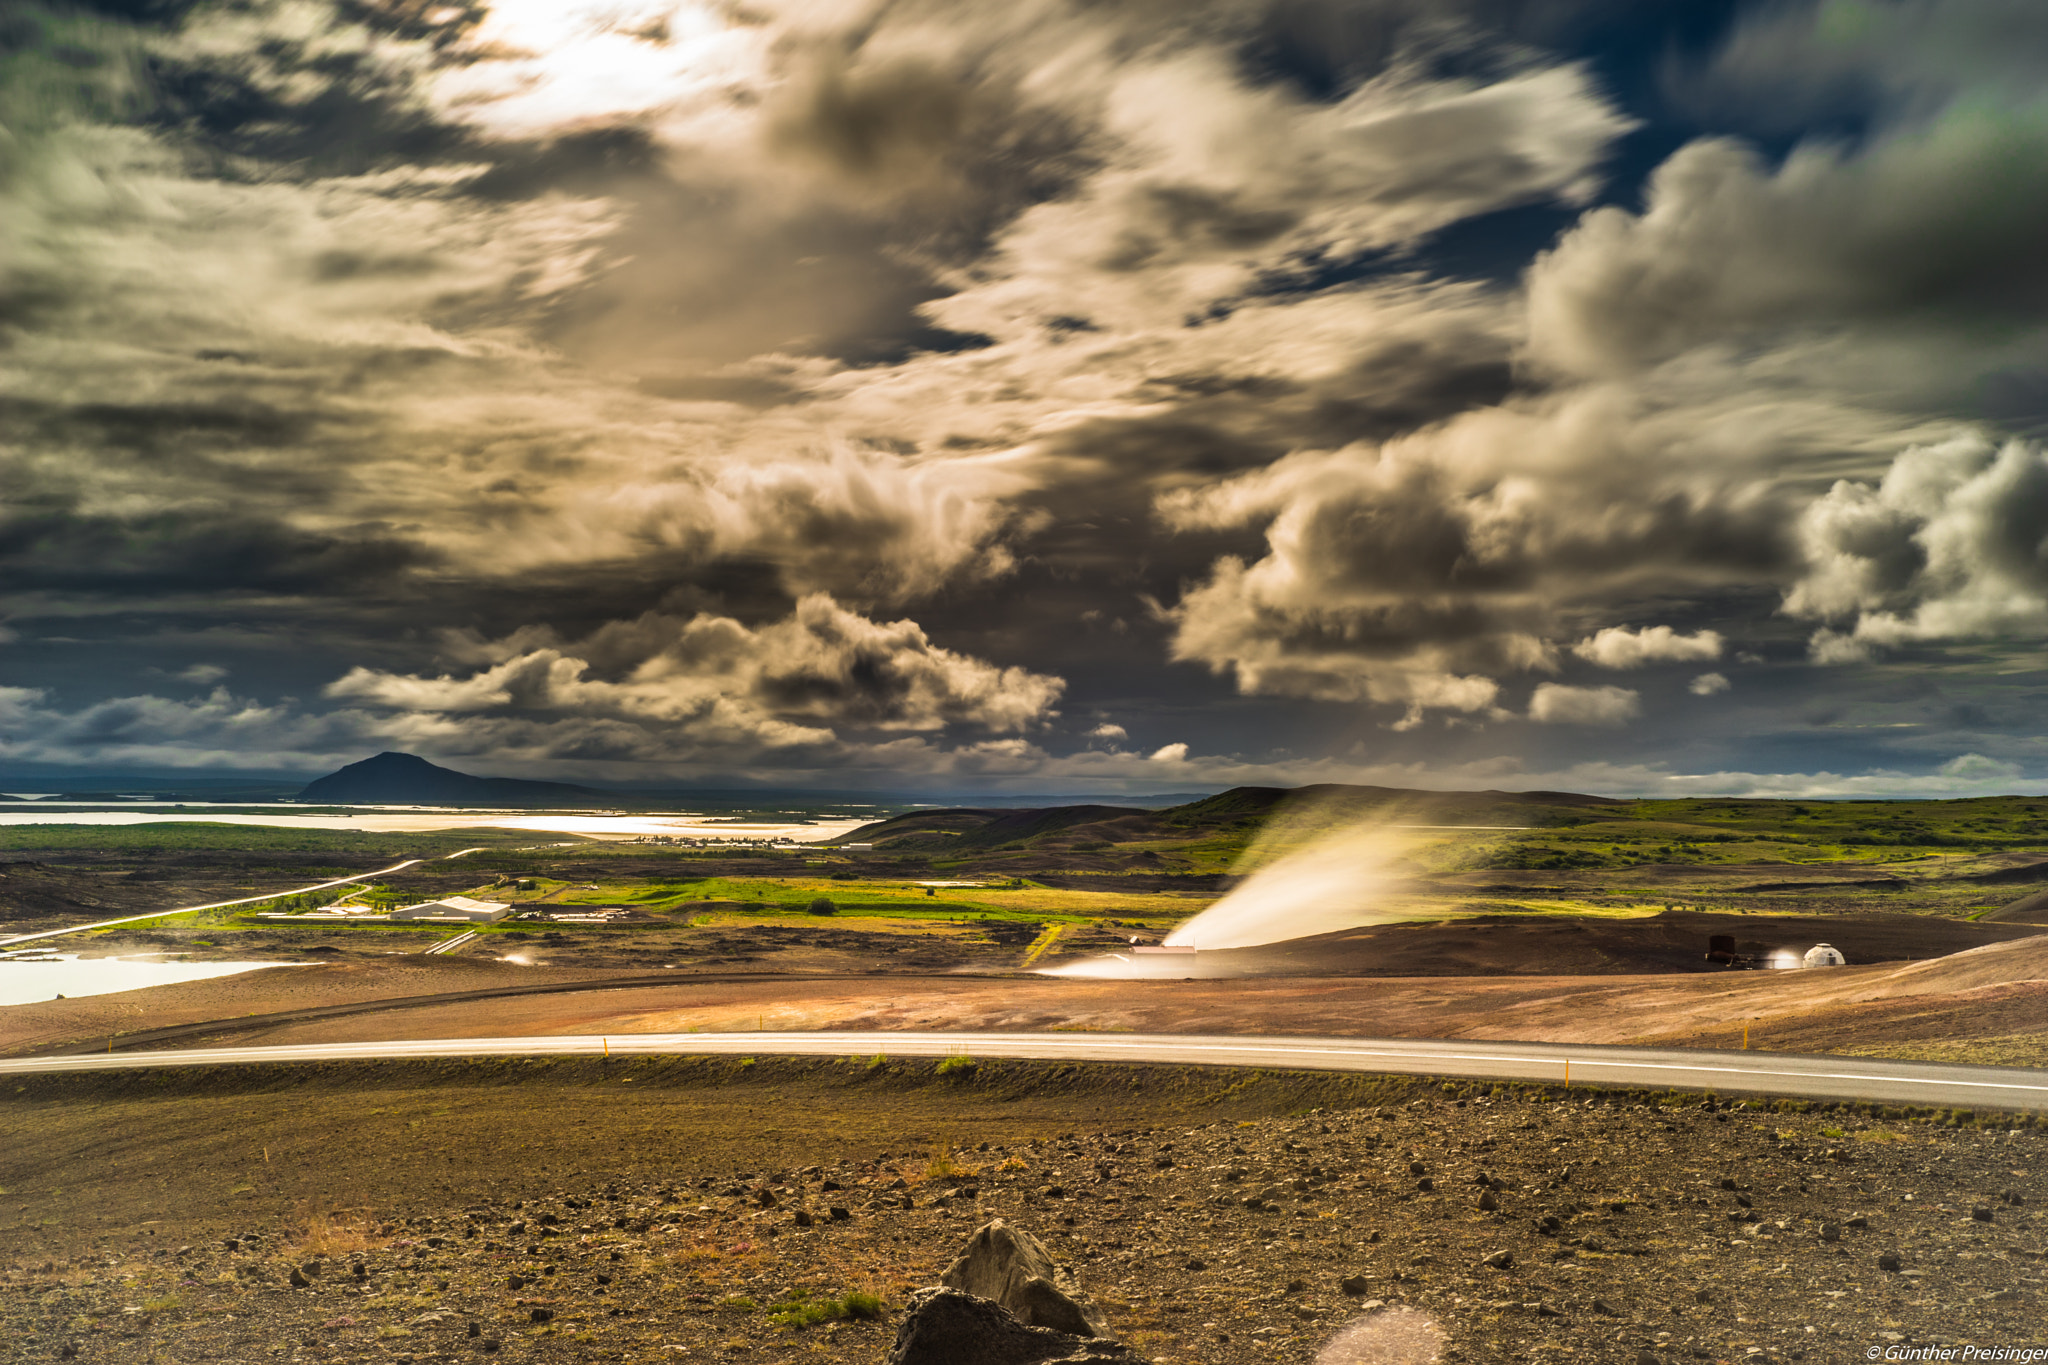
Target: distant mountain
(409, 780)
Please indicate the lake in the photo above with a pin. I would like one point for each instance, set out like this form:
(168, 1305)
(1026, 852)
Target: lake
(414, 820)
(34, 976)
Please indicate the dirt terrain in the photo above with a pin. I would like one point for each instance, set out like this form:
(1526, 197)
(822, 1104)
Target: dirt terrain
(1999, 990)
(26, 1029)
(664, 1211)
(1542, 945)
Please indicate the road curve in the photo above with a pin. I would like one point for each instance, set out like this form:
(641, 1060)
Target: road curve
(1760, 1073)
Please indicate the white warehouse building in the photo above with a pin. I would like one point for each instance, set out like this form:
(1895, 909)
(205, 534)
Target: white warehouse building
(457, 908)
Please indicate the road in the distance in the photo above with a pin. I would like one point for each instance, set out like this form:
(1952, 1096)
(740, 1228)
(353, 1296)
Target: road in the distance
(1766, 1073)
(222, 905)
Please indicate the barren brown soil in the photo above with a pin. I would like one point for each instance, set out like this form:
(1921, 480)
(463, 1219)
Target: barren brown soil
(1541, 945)
(664, 1210)
(1985, 992)
(1535, 977)
(52, 1023)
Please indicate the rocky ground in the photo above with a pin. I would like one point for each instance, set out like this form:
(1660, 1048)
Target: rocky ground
(1526, 1226)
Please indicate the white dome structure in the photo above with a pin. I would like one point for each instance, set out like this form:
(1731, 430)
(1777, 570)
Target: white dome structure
(1825, 955)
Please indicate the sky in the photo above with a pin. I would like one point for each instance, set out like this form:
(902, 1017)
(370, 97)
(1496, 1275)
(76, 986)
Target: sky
(1053, 395)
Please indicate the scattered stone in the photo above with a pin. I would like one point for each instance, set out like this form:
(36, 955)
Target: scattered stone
(297, 1279)
(1487, 1203)
(1982, 1213)
(1167, 1241)
(1889, 1261)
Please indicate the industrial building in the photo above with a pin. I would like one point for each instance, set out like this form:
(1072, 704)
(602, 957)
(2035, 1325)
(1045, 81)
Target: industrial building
(457, 909)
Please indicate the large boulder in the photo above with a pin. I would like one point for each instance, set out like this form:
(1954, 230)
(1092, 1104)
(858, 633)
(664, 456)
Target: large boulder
(949, 1327)
(1011, 1267)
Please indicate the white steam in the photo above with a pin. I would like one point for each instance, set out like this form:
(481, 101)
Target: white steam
(1338, 881)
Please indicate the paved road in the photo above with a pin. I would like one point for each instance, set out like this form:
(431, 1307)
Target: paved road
(1767, 1073)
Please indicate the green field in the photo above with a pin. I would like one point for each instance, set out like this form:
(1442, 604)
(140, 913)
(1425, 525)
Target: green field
(1458, 854)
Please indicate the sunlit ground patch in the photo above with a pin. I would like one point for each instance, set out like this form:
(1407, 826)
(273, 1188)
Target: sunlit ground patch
(1392, 1336)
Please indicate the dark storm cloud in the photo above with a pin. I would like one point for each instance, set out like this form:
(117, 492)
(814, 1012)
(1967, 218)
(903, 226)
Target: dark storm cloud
(820, 385)
(167, 554)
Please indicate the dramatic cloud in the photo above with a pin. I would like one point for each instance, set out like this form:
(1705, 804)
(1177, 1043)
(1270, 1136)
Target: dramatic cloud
(720, 682)
(1951, 544)
(1209, 183)
(913, 387)
(1851, 268)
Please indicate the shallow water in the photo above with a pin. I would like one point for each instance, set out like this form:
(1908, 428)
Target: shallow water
(28, 977)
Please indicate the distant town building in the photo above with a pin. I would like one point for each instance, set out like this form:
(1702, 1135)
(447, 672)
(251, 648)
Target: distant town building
(457, 908)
